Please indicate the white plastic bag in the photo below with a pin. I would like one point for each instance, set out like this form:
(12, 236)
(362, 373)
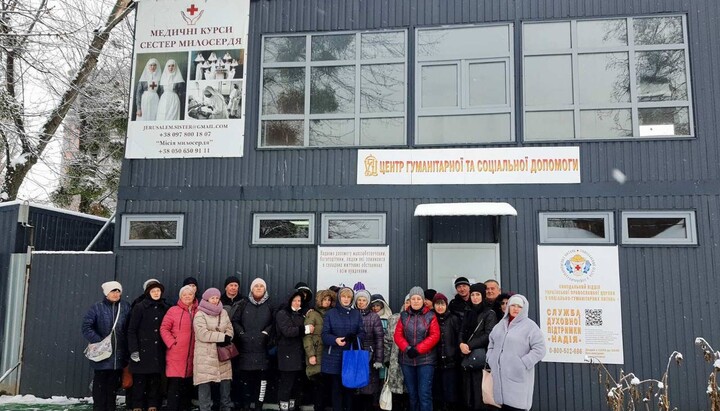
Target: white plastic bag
(386, 396)
(100, 350)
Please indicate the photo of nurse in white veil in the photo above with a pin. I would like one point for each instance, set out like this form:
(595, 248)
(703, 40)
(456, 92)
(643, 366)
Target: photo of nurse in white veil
(146, 93)
(172, 98)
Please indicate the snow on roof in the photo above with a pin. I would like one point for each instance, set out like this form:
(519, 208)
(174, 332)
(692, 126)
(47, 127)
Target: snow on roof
(462, 209)
(58, 210)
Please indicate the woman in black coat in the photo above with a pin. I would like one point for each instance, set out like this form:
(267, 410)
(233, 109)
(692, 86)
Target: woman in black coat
(291, 328)
(477, 324)
(147, 350)
(254, 323)
(446, 377)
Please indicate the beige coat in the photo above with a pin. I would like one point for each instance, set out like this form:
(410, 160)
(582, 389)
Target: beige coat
(209, 330)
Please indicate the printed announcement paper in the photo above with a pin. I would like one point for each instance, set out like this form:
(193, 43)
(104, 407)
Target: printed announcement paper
(346, 266)
(580, 314)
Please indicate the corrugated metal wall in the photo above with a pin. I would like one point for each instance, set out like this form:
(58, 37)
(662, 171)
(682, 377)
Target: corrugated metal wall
(62, 288)
(8, 230)
(668, 292)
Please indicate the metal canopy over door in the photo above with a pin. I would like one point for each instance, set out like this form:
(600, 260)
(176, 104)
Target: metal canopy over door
(447, 261)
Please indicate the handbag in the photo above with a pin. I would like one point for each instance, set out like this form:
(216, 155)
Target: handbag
(102, 350)
(355, 367)
(476, 359)
(386, 396)
(227, 352)
(487, 388)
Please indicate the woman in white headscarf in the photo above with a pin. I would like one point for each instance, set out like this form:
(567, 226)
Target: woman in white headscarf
(215, 102)
(146, 94)
(173, 86)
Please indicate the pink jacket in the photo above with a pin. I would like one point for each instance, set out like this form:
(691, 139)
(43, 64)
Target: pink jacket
(177, 333)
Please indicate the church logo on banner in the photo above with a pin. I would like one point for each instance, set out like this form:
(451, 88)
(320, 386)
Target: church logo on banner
(577, 265)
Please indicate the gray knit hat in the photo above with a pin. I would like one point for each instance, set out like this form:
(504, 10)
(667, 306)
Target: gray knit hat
(417, 290)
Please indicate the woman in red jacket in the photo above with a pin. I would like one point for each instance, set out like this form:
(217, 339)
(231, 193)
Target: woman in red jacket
(416, 334)
(177, 332)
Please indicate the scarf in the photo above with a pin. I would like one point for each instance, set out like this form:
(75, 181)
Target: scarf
(210, 309)
(254, 301)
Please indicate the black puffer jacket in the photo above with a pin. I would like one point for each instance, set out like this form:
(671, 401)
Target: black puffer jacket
(458, 306)
(448, 349)
(249, 322)
(481, 318)
(290, 327)
(144, 336)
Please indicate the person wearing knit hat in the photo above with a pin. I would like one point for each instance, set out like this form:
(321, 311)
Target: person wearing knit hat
(446, 376)
(516, 346)
(232, 301)
(147, 351)
(342, 326)
(254, 324)
(177, 332)
(477, 324)
(213, 329)
(111, 286)
(428, 295)
(106, 317)
(373, 341)
(231, 296)
(416, 335)
(461, 302)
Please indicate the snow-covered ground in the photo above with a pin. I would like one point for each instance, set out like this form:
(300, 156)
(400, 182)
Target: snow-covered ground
(31, 403)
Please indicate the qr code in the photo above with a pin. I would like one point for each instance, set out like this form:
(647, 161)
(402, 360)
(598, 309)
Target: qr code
(593, 317)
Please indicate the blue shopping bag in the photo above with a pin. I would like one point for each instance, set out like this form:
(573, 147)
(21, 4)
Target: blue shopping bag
(356, 367)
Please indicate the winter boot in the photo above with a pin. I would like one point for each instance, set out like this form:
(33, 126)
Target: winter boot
(284, 406)
(258, 406)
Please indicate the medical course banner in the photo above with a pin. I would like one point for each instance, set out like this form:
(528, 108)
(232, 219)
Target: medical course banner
(580, 311)
(189, 77)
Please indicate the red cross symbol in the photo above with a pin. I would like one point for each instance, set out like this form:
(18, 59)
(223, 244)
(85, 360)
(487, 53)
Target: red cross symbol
(153, 85)
(192, 9)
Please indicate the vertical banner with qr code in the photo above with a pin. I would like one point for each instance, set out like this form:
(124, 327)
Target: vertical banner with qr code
(580, 313)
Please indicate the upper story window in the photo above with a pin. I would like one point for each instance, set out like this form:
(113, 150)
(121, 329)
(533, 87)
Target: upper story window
(152, 230)
(659, 227)
(607, 79)
(464, 85)
(338, 89)
(581, 227)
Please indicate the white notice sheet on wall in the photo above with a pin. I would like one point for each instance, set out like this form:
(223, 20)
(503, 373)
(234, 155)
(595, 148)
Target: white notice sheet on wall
(347, 266)
(580, 311)
(189, 78)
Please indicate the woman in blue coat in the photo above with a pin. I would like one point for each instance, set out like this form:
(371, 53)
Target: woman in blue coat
(516, 346)
(98, 324)
(342, 327)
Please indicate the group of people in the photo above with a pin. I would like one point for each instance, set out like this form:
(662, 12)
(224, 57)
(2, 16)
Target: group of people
(160, 93)
(418, 352)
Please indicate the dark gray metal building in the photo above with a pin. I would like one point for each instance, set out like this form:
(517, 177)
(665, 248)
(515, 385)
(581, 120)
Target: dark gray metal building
(633, 84)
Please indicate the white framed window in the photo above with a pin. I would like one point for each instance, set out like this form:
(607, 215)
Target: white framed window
(294, 228)
(596, 227)
(464, 87)
(353, 229)
(152, 230)
(659, 227)
(334, 89)
(607, 79)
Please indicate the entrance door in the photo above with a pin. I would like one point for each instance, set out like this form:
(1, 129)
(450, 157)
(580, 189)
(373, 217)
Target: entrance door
(447, 261)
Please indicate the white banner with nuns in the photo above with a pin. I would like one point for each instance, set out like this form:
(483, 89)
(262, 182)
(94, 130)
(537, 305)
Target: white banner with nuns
(188, 84)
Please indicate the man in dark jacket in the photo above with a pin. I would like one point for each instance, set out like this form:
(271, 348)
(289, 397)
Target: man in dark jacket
(461, 302)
